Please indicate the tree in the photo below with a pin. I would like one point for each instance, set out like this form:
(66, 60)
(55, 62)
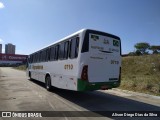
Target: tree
(142, 47)
(155, 49)
(138, 52)
(131, 53)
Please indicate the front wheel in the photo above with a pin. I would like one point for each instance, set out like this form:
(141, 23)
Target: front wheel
(48, 83)
(30, 76)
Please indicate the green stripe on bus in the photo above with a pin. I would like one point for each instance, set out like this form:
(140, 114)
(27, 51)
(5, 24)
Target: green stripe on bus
(86, 86)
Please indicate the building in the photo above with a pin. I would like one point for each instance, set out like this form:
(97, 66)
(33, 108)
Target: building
(0, 48)
(10, 49)
(9, 58)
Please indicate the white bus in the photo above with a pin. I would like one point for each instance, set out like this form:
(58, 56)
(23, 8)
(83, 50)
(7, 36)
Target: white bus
(83, 61)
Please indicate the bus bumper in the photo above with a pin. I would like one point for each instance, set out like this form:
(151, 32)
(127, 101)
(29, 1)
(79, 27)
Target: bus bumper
(87, 86)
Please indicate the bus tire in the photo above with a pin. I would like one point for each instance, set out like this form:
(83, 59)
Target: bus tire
(30, 76)
(48, 83)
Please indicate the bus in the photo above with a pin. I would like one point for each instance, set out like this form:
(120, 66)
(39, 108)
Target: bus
(86, 60)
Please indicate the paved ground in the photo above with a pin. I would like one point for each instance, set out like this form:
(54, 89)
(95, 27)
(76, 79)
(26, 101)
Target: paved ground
(17, 93)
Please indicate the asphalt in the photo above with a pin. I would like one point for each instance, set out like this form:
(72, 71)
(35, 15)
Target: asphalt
(18, 93)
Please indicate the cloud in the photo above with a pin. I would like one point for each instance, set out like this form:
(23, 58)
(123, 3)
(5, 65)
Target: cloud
(1, 5)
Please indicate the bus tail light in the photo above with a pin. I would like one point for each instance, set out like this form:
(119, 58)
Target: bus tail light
(84, 75)
(104, 87)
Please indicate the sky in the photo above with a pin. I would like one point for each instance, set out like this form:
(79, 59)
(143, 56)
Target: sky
(33, 24)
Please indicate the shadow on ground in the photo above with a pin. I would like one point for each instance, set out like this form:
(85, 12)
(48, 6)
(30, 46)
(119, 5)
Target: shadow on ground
(102, 103)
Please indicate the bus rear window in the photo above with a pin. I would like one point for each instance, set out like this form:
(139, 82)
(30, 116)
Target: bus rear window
(96, 36)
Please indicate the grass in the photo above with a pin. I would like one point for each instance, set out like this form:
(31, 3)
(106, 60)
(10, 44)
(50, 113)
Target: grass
(21, 67)
(141, 73)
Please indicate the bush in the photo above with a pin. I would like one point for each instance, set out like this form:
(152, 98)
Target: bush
(131, 54)
(138, 52)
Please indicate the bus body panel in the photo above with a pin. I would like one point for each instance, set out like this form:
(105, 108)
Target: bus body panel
(61, 75)
(104, 59)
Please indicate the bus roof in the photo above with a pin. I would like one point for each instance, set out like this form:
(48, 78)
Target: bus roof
(67, 37)
(80, 31)
(60, 40)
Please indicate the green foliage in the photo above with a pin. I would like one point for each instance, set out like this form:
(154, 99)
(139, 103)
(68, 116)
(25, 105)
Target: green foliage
(131, 53)
(155, 49)
(138, 52)
(155, 52)
(142, 47)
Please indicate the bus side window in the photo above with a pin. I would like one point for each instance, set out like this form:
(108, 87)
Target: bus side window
(56, 52)
(77, 47)
(31, 59)
(47, 54)
(74, 45)
(43, 55)
(66, 49)
(61, 51)
(35, 57)
(52, 53)
(40, 60)
(38, 56)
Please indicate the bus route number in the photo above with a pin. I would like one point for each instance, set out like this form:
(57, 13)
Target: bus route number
(114, 62)
(68, 67)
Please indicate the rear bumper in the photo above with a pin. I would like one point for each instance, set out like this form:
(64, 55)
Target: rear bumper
(87, 86)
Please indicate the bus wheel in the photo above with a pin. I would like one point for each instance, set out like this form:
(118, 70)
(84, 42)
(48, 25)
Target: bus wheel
(30, 76)
(48, 83)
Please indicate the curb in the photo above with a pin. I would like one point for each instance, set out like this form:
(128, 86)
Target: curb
(136, 93)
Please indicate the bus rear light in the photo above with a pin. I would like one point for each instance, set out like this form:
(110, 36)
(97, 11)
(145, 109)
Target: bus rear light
(104, 87)
(84, 75)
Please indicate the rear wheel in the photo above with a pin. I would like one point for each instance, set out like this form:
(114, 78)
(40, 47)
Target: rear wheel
(48, 83)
